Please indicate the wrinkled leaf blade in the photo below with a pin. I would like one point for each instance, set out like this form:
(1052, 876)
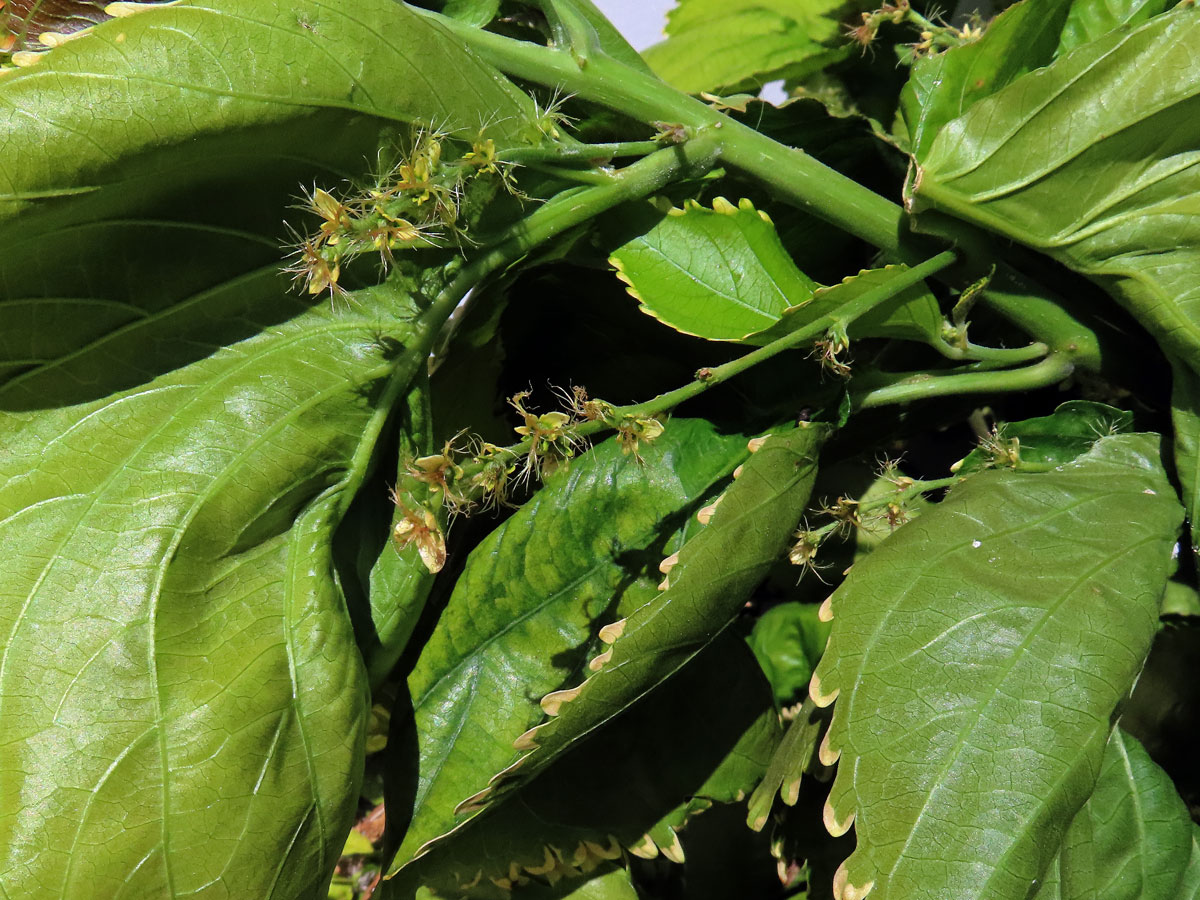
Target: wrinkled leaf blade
(708, 580)
(976, 659)
(714, 45)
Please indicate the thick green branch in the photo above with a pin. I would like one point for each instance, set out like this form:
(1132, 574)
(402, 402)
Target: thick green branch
(906, 388)
(792, 174)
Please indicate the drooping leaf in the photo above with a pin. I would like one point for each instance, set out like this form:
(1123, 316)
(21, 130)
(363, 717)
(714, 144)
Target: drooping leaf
(522, 615)
(182, 700)
(912, 314)
(1090, 19)
(714, 46)
(976, 660)
(707, 581)
(1133, 838)
(717, 273)
(292, 62)
(945, 85)
(1047, 441)
(788, 640)
(705, 736)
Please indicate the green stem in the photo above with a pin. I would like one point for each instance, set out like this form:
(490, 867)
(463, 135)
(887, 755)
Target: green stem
(572, 208)
(591, 154)
(906, 388)
(900, 496)
(793, 175)
(1000, 356)
(579, 176)
(558, 214)
(847, 313)
(719, 374)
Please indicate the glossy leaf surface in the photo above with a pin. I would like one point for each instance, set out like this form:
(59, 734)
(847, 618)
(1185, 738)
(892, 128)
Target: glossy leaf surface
(911, 314)
(1048, 441)
(168, 604)
(788, 640)
(528, 602)
(976, 659)
(945, 85)
(717, 273)
(276, 64)
(1095, 160)
(1090, 19)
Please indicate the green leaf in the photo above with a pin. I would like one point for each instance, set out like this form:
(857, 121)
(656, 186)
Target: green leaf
(790, 761)
(912, 314)
(181, 696)
(379, 59)
(474, 12)
(788, 640)
(943, 86)
(717, 273)
(1090, 19)
(1133, 838)
(1189, 888)
(977, 659)
(1115, 198)
(1114, 194)
(527, 602)
(728, 46)
(182, 699)
(1185, 416)
(704, 736)
(602, 33)
(707, 581)
(1048, 441)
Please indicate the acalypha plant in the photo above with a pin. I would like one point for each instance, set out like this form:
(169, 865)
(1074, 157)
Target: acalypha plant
(447, 454)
